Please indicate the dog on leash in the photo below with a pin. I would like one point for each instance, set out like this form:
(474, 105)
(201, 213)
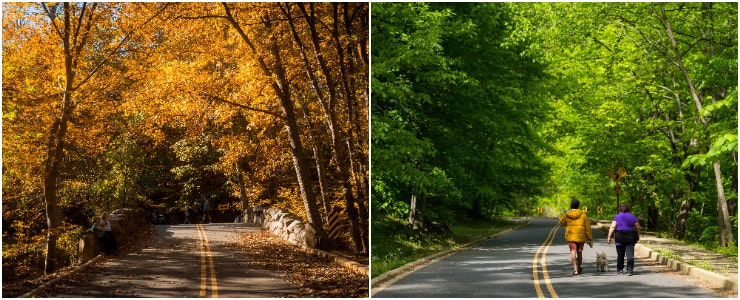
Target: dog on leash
(602, 265)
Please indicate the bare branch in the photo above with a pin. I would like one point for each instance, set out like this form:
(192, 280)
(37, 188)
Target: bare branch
(222, 100)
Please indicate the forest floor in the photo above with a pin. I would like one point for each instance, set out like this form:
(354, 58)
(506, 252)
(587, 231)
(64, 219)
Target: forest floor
(315, 276)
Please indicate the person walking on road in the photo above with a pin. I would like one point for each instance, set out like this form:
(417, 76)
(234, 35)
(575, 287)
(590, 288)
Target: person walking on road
(577, 232)
(187, 216)
(627, 228)
(206, 211)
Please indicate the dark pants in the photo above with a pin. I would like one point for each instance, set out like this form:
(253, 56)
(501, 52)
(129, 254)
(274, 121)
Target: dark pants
(629, 251)
(109, 242)
(626, 247)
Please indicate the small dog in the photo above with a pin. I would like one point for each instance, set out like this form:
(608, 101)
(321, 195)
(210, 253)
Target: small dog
(602, 265)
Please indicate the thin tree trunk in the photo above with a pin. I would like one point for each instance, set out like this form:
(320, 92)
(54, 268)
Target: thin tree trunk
(52, 169)
(320, 165)
(412, 211)
(242, 187)
(683, 216)
(725, 227)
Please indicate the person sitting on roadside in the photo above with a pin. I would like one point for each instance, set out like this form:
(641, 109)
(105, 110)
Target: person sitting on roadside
(108, 240)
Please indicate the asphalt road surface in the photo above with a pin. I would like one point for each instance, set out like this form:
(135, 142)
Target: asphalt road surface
(531, 262)
(183, 261)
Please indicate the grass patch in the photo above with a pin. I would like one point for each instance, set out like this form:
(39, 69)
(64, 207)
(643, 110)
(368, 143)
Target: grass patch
(730, 251)
(395, 244)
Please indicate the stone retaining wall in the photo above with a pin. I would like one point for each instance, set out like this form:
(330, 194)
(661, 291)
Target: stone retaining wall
(282, 223)
(123, 222)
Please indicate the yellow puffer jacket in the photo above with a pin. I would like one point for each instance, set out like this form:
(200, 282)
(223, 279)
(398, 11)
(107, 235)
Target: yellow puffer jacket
(577, 226)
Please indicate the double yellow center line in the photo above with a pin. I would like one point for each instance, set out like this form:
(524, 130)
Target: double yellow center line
(543, 262)
(206, 264)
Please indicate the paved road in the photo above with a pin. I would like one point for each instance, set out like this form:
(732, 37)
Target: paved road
(534, 262)
(183, 261)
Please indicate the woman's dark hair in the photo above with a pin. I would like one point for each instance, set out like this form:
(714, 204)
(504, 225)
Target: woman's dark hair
(624, 207)
(574, 204)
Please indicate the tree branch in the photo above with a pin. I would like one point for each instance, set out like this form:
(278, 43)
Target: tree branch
(222, 100)
(117, 48)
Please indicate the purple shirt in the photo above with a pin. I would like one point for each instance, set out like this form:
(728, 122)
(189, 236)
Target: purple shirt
(625, 221)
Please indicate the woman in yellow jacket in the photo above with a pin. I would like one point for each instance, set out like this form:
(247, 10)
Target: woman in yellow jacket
(577, 232)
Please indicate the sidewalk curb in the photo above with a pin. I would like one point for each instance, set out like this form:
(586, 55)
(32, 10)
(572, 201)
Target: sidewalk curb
(685, 268)
(388, 278)
(692, 271)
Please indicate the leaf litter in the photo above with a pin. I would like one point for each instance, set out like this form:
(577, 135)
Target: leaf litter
(316, 277)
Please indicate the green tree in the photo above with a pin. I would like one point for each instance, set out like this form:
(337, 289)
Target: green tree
(633, 81)
(455, 118)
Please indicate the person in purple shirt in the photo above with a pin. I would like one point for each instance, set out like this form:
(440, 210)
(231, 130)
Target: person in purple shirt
(627, 228)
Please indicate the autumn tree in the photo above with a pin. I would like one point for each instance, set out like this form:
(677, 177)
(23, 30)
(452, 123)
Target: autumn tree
(254, 80)
(119, 105)
(80, 47)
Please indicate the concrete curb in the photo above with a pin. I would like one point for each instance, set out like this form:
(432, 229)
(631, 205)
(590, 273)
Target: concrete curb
(692, 271)
(685, 268)
(35, 292)
(386, 279)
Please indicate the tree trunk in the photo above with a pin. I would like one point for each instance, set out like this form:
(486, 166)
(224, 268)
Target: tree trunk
(683, 215)
(323, 184)
(301, 168)
(412, 211)
(723, 218)
(300, 162)
(732, 202)
(55, 147)
(320, 165)
(53, 219)
(242, 188)
(725, 227)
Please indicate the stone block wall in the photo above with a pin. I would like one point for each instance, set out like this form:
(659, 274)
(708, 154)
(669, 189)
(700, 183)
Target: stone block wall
(283, 224)
(124, 222)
